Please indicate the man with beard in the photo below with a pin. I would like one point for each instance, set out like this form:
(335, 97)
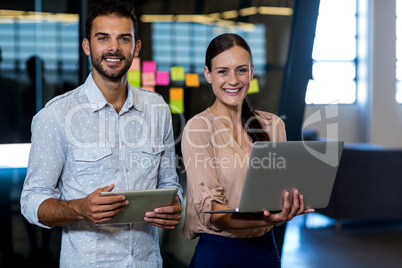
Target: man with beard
(95, 139)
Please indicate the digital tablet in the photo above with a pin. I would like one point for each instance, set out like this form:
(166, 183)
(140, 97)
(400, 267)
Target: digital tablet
(141, 201)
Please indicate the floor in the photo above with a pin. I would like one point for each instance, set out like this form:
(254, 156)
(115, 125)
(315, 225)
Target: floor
(310, 242)
(314, 242)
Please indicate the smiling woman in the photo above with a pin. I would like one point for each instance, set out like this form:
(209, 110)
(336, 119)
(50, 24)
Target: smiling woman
(229, 68)
(222, 135)
(230, 76)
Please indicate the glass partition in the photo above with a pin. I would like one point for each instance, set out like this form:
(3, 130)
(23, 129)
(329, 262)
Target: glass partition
(39, 60)
(39, 53)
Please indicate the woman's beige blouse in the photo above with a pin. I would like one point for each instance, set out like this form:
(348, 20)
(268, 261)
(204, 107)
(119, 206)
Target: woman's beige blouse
(216, 169)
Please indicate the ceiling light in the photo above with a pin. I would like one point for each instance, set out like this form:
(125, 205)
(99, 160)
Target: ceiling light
(249, 11)
(231, 14)
(159, 18)
(281, 11)
(215, 16)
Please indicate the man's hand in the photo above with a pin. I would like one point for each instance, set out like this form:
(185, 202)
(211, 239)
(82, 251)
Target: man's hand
(100, 209)
(165, 217)
(95, 208)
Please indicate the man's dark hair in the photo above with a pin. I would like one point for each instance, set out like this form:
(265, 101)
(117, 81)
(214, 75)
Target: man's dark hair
(114, 7)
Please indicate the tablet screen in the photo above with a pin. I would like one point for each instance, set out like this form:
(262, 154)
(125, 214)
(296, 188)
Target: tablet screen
(141, 201)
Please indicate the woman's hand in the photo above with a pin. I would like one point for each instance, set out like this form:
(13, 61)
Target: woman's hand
(289, 211)
(255, 220)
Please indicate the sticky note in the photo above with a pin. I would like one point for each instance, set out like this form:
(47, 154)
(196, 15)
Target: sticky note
(135, 65)
(176, 103)
(254, 87)
(149, 88)
(148, 79)
(162, 78)
(176, 106)
(149, 66)
(176, 93)
(177, 73)
(192, 80)
(134, 78)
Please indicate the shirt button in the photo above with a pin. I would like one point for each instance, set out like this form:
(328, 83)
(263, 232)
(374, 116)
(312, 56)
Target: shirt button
(127, 170)
(132, 252)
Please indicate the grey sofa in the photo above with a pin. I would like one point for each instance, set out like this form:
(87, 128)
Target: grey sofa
(368, 184)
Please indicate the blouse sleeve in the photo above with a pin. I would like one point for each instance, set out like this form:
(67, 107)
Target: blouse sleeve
(203, 187)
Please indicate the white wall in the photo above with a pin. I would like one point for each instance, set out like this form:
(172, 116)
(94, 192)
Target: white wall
(376, 117)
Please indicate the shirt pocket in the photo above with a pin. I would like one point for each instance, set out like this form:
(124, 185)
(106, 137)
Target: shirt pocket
(149, 162)
(91, 164)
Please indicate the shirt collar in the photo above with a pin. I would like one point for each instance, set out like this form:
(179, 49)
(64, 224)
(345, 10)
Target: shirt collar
(95, 96)
(133, 94)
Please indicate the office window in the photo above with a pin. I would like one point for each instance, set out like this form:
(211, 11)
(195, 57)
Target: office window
(55, 42)
(334, 54)
(184, 44)
(39, 59)
(398, 51)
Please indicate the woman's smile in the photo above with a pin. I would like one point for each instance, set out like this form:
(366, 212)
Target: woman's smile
(232, 91)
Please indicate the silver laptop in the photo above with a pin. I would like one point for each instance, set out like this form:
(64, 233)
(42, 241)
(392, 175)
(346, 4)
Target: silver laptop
(276, 167)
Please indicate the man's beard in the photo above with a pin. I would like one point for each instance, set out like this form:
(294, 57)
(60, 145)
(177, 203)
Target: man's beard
(97, 64)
